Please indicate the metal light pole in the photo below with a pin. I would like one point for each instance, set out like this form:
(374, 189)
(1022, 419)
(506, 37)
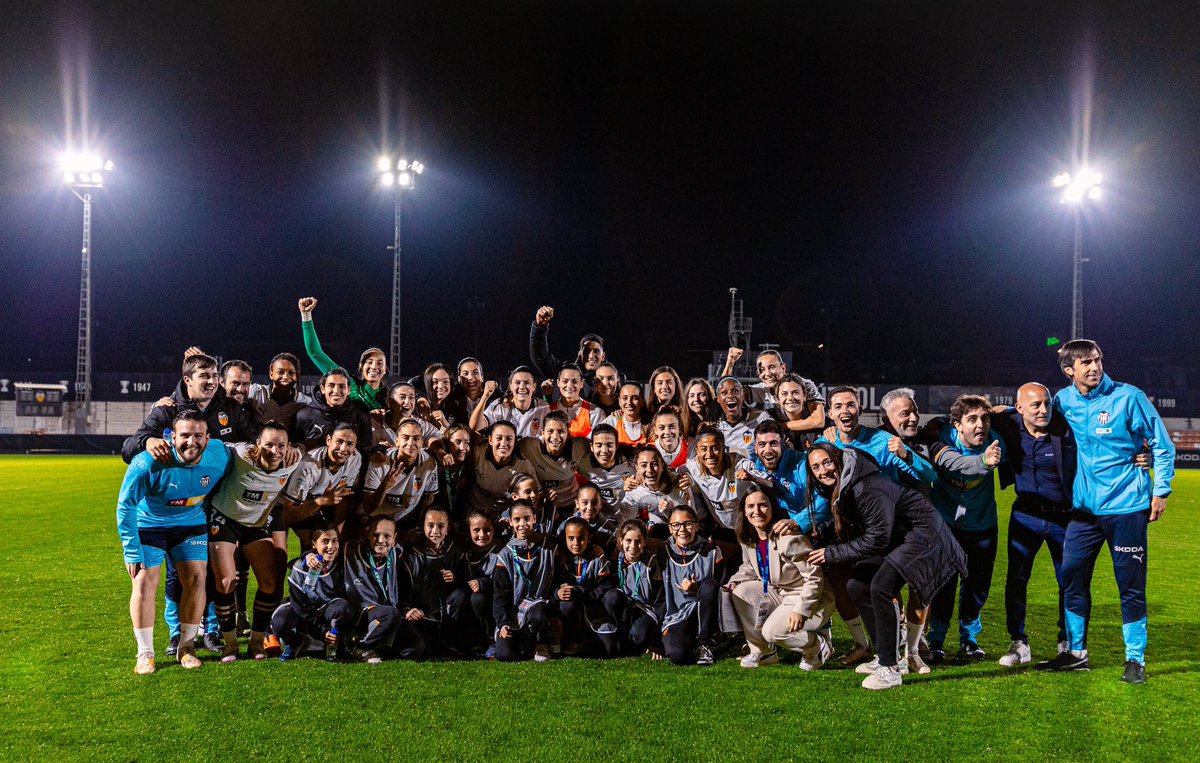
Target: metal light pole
(1084, 185)
(403, 177)
(83, 175)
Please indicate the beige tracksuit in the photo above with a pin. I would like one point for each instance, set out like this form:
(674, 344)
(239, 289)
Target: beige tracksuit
(794, 586)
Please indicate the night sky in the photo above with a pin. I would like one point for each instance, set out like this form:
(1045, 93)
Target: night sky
(625, 163)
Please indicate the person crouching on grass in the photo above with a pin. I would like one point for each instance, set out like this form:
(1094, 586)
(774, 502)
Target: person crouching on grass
(583, 576)
(317, 606)
(780, 598)
(691, 568)
(892, 535)
(639, 586)
(523, 591)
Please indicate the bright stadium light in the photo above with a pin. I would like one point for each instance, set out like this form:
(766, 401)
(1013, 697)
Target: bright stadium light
(1083, 185)
(82, 174)
(401, 179)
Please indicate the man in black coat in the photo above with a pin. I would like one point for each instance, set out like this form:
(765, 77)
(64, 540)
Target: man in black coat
(199, 390)
(331, 405)
(1041, 464)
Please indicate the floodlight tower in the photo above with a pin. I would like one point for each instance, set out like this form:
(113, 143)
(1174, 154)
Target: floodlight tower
(739, 330)
(402, 178)
(1083, 186)
(84, 174)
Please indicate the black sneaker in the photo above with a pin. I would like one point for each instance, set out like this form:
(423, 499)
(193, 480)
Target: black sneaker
(173, 647)
(212, 642)
(937, 653)
(972, 651)
(1135, 672)
(1063, 663)
(704, 655)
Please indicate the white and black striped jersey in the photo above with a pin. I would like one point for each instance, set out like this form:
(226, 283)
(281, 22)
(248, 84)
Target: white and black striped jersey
(610, 481)
(312, 477)
(739, 437)
(719, 494)
(247, 492)
(643, 503)
(405, 496)
(528, 423)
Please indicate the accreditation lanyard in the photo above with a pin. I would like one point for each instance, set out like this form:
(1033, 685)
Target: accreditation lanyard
(764, 563)
(637, 576)
(382, 581)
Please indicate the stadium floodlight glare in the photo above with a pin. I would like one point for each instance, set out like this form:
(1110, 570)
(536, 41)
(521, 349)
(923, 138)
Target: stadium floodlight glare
(84, 170)
(83, 173)
(398, 180)
(1083, 185)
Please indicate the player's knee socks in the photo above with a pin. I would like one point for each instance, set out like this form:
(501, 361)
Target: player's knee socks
(187, 635)
(226, 611)
(912, 636)
(858, 631)
(243, 578)
(145, 639)
(264, 607)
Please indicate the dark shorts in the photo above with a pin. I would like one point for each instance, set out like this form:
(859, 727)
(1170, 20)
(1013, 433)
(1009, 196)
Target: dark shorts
(184, 543)
(222, 529)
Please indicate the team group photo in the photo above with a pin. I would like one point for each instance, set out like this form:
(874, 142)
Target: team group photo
(712, 381)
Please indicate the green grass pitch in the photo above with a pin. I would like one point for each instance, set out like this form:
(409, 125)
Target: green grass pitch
(67, 688)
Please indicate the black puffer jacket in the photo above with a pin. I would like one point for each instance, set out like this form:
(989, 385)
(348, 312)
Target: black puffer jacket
(897, 524)
(317, 419)
(228, 421)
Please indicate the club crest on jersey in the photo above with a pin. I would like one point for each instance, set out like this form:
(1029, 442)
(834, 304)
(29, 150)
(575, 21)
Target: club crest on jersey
(341, 483)
(283, 480)
(417, 484)
(733, 488)
(747, 437)
(223, 419)
(205, 480)
(1103, 417)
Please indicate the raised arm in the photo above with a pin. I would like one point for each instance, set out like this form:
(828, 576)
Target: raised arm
(312, 345)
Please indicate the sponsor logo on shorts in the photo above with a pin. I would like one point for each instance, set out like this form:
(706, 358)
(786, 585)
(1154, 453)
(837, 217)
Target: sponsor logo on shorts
(197, 540)
(252, 495)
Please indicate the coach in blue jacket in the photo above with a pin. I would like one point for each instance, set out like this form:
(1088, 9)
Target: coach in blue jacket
(1113, 499)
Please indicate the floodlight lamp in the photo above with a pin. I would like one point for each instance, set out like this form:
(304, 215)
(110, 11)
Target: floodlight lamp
(108, 166)
(96, 178)
(1062, 179)
(388, 179)
(405, 180)
(1073, 194)
(418, 167)
(68, 177)
(1094, 193)
(384, 164)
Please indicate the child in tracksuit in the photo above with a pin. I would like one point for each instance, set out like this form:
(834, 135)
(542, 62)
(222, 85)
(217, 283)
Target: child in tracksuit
(481, 550)
(639, 585)
(527, 621)
(373, 572)
(691, 568)
(589, 505)
(582, 579)
(434, 588)
(317, 606)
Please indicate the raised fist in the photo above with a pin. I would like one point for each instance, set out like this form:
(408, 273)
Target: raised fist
(307, 304)
(544, 314)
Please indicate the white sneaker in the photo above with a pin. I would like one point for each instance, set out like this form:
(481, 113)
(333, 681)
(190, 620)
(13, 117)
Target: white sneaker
(916, 665)
(1018, 655)
(541, 653)
(883, 678)
(867, 668)
(823, 654)
(758, 659)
